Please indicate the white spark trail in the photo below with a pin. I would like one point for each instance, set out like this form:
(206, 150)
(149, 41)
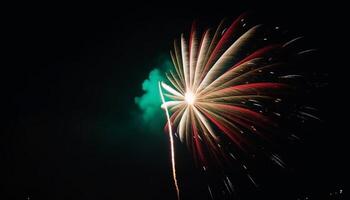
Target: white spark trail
(171, 141)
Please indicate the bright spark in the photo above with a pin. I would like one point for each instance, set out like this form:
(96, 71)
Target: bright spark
(190, 98)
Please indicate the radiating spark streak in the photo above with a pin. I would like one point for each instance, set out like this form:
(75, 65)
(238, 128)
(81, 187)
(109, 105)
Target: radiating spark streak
(208, 57)
(246, 62)
(310, 108)
(201, 57)
(224, 78)
(252, 180)
(193, 53)
(226, 57)
(230, 184)
(253, 88)
(246, 75)
(171, 143)
(306, 51)
(309, 115)
(233, 156)
(217, 49)
(171, 90)
(179, 106)
(170, 104)
(172, 96)
(236, 97)
(235, 80)
(278, 160)
(253, 100)
(227, 187)
(210, 192)
(278, 114)
(205, 123)
(291, 41)
(178, 56)
(176, 64)
(175, 117)
(257, 54)
(174, 81)
(182, 125)
(291, 76)
(185, 63)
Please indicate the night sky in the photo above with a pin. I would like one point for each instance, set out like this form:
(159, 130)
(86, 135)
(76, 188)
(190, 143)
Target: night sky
(72, 129)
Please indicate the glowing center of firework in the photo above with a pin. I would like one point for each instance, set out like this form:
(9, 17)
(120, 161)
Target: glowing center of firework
(190, 98)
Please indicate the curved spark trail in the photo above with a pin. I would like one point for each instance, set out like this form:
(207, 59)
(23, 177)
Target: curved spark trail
(171, 142)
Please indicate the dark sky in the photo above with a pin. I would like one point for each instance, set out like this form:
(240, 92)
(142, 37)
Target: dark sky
(69, 129)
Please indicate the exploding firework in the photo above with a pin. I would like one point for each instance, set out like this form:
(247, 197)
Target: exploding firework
(225, 89)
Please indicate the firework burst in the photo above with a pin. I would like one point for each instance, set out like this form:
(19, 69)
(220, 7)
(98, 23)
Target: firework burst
(224, 89)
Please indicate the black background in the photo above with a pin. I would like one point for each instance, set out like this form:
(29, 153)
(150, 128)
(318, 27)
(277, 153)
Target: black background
(69, 87)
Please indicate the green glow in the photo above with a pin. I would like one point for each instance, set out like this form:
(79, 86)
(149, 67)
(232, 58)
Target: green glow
(149, 103)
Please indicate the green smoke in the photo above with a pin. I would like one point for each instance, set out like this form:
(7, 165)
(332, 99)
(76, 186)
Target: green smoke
(149, 103)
